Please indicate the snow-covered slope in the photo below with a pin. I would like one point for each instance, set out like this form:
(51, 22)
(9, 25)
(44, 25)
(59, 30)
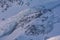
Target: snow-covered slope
(54, 38)
(31, 21)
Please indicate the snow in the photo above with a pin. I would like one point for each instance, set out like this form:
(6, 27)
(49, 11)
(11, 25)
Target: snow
(19, 18)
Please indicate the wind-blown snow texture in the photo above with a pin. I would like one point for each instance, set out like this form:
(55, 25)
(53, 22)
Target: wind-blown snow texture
(29, 19)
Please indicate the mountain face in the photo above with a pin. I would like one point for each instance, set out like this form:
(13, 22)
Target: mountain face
(24, 20)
